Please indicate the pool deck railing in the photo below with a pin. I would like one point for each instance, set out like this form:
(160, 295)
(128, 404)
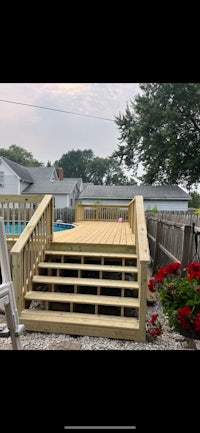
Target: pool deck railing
(29, 248)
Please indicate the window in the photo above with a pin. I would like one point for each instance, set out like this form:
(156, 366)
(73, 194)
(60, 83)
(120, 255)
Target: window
(71, 202)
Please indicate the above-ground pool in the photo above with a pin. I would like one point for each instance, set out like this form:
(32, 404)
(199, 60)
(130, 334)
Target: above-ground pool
(19, 227)
(59, 227)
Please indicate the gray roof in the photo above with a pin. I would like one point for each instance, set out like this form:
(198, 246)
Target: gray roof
(41, 173)
(47, 187)
(31, 174)
(151, 192)
(40, 179)
(21, 171)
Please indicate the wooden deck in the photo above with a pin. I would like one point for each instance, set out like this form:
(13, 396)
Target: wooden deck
(97, 232)
(90, 280)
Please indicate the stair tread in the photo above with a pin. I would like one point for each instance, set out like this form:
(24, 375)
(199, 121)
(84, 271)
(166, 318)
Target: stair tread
(83, 299)
(84, 319)
(97, 282)
(91, 254)
(86, 266)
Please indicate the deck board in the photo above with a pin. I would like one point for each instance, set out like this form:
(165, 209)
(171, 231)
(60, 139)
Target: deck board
(76, 298)
(98, 232)
(89, 282)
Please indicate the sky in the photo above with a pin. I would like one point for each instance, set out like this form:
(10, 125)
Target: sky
(49, 134)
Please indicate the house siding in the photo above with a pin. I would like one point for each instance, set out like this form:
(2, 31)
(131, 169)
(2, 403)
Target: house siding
(38, 180)
(73, 196)
(61, 201)
(169, 205)
(104, 201)
(162, 205)
(11, 181)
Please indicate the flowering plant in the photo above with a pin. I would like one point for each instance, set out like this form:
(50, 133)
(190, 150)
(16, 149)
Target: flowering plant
(155, 326)
(179, 291)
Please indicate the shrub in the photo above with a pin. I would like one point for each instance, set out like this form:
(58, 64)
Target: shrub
(179, 291)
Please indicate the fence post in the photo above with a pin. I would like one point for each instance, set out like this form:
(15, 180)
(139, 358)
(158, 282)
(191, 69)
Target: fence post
(156, 250)
(187, 246)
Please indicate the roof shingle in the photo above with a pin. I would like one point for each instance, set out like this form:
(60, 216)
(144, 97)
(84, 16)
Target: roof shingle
(172, 192)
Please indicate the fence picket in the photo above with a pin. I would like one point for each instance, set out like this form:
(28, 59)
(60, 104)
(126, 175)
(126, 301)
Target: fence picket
(171, 238)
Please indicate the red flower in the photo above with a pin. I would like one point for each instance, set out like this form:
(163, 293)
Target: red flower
(193, 275)
(155, 332)
(159, 278)
(193, 267)
(172, 268)
(183, 315)
(156, 327)
(184, 312)
(151, 285)
(197, 322)
(163, 272)
(153, 318)
(180, 297)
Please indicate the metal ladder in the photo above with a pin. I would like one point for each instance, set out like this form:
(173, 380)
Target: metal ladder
(12, 328)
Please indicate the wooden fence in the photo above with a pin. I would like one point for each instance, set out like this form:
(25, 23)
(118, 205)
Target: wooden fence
(172, 239)
(67, 215)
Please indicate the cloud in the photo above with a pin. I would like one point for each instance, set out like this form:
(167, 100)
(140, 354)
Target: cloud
(98, 99)
(66, 88)
(48, 134)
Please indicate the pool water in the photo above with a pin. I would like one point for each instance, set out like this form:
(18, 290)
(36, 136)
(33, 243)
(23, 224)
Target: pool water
(58, 227)
(18, 228)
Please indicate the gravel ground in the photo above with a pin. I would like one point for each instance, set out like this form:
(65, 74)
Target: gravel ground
(168, 340)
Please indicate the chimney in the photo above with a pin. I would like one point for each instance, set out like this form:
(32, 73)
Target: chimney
(60, 173)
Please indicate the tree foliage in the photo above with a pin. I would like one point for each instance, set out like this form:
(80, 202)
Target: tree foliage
(161, 130)
(115, 174)
(100, 171)
(96, 170)
(77, 164)
(195, 202)
(74, 163)
(20, 155)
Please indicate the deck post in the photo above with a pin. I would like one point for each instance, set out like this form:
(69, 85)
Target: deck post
(142, 280)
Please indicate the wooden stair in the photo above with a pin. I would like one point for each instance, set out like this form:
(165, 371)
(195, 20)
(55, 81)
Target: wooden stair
(86, 293)
(76, 298)
(91, 282)
(83, 324)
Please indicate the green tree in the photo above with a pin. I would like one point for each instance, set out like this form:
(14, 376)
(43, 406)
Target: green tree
(107, 171)
(96, 170)
(195, 202)
(161, 130)
(115, 175)
(74, 163)
(20, 155)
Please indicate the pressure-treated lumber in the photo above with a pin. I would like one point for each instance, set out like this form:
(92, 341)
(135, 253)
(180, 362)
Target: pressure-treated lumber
(94, 282)
(116, 301)
(83, 324)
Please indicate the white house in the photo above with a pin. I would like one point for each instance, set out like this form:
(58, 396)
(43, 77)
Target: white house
(163, 197)
(17, 179)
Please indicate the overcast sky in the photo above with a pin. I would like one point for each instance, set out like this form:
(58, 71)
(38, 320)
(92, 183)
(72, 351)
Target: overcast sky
(49, 134)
